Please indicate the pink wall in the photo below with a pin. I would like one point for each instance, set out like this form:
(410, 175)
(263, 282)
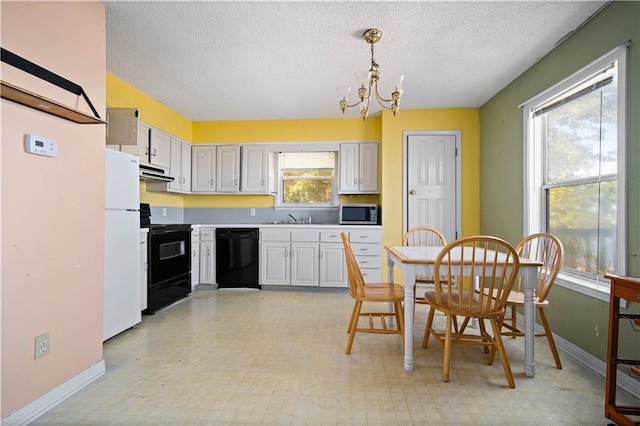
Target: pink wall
(52, 224)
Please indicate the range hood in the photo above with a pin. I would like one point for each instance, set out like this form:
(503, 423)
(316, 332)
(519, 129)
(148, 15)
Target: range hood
(154, 173)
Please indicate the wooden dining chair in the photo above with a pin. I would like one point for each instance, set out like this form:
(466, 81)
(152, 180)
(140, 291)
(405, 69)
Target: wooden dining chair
(423, 236)
(547, 249)
(384, 294)
(480, 263)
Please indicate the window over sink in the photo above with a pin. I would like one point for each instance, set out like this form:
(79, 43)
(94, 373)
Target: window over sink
(306, 179)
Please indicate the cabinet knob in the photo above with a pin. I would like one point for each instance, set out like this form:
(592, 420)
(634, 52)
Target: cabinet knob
(153, 152)
(355, 181)
(412, 192)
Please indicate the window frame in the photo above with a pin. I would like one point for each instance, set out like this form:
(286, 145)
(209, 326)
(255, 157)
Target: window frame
(280, 178)
(534, 208)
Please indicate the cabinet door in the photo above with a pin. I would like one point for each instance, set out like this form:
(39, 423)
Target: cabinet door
(160, 148)
(175, 164)
(195, 263)
(142, 148)
(333, 268)
(255, 168)
(144, 267)
(349, 168)
(185, 168)
(275, 263)
(204, 168)
(304, 264)
(228, 168)
(207, 260)
(368, 170)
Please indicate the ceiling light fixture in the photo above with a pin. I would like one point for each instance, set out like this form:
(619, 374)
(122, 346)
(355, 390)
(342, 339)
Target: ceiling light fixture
(368, 83)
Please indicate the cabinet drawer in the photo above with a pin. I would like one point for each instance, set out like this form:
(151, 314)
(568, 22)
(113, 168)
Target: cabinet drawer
(371, 275)
(275, 235)
(366, 249)
(369, 261)
(207, 234)
(306, 235)
(365, 236)
(331, 236)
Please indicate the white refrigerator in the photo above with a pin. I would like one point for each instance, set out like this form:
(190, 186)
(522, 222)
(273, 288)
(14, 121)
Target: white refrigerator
(121, 243)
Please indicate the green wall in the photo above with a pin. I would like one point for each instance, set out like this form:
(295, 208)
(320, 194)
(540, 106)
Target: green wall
(580, 319)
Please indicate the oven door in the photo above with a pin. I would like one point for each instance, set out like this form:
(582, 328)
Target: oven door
(169, 255)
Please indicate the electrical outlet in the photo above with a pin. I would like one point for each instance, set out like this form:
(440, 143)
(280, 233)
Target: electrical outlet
(164, 211)
(253, 212)
(43, 343)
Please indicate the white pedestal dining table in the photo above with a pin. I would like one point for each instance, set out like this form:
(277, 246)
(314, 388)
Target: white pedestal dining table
(421, 260)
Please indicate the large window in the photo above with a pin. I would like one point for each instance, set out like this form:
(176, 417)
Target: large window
(575, 167)
(307, 179)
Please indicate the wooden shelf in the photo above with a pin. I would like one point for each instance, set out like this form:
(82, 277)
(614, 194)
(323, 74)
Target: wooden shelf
(30, 99)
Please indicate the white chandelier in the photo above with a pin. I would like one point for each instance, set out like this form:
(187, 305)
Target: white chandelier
(368, 84)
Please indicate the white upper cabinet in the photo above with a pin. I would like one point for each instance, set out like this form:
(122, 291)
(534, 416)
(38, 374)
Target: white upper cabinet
(255, 169)
(228, 168)
(141, 149)
(160, 149)
(359, 168)
(180, 166)
(186, 166)
(203, 168)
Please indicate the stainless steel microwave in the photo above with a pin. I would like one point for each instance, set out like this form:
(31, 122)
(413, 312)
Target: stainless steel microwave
(358, 214)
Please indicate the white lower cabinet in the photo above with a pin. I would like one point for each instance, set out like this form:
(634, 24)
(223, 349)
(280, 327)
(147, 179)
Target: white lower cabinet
(195, 258)
(144, 267)
(289, 257)
(315, 256)
(367, 248)
(207, 256)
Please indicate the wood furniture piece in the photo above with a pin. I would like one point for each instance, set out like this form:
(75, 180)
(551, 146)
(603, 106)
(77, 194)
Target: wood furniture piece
(420, 260)
(547, 249)
(423, 236)
(489, 266)
(629, 289)
(388, 294)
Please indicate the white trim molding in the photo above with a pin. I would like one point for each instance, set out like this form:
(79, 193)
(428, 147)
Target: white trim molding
(46, 402)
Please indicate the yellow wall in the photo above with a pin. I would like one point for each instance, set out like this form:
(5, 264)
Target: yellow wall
(467, 120)
(319, 130)
(123, 95)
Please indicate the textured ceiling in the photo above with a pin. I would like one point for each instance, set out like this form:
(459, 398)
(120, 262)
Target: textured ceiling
(258, 60)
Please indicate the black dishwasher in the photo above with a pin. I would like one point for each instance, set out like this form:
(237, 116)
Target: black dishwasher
(237, 257)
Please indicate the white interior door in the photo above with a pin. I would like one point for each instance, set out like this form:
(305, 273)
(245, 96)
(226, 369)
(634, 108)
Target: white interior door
(432, 183)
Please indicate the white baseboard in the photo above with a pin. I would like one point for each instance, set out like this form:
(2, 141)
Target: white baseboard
(35, 409)
(623, 381)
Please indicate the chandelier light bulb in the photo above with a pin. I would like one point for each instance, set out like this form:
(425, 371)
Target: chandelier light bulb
(344, 91)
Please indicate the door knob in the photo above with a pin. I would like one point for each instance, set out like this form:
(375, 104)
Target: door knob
(412, 192)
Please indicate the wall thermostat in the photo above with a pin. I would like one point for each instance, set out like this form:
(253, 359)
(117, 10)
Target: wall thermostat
(41, 145)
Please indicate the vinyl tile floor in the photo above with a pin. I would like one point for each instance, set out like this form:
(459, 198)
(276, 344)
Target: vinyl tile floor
(248, 357)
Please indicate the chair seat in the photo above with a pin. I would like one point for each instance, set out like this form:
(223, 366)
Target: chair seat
(455, 308)
(377, 292)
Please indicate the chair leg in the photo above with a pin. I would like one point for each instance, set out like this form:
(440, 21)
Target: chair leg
(552, 343)
(483, 333)
(492, 353)
(464, 324)
(400, 319)
(497, 339)
(447, 349)
(353, 317)
(354, 324)
(427, 329)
